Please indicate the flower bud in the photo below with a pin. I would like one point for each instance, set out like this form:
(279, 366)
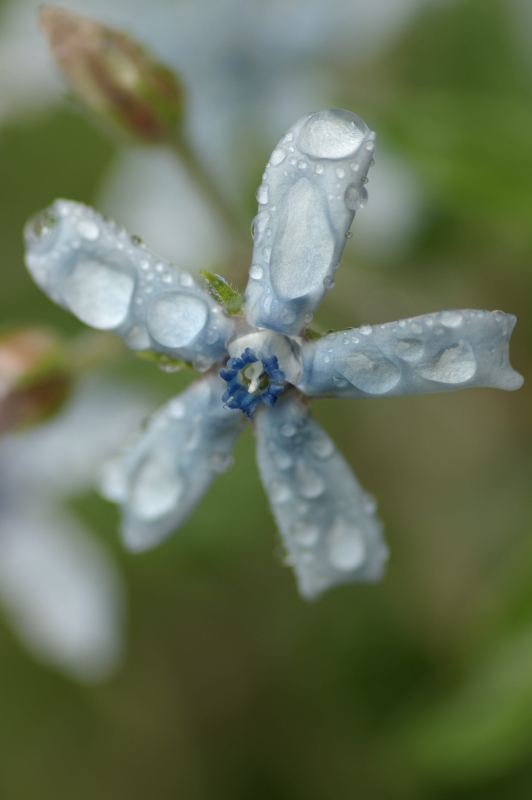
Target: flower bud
(114, 77)
(33, 384)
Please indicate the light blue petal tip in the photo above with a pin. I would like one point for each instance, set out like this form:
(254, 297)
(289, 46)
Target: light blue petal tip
(160, 479)
(110, 281)
(326, 519)
(311, 188)
(451, 349)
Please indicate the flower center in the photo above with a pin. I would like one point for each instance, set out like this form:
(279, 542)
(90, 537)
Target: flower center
(254, 377)
(251, 381)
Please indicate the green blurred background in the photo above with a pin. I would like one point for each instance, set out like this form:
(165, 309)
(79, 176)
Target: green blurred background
(233, 687)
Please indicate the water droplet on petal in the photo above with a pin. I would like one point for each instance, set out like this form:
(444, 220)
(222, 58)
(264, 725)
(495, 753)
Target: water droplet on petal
(98, 295)
(156, 490)
(455, 364)
(186, 279)
(288, 429)
(277, 157)
(279, 492)
(370, 371)
(365, 330)
(339, 382)
(409, 349)
(262, 194)
(256, 272)
(318, 168)
(355, 197)
(302, 164)
(321, 447)
(40, 227)
(305, 534)
(331, 134)
(137, 337)
(88, 229)
(451, 319)
(340, 173)
(345, 545)
(176, 408)
(282, 460)
(306, 242)
(175, 319)
(309, 484)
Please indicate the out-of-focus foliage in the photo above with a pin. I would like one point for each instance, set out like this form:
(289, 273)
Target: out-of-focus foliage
(419, 688)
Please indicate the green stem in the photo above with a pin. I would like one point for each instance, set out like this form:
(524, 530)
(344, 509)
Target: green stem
(209, 190)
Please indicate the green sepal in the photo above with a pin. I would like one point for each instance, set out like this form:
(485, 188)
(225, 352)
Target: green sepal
(223, 292)
(312, 334)
(163, 361)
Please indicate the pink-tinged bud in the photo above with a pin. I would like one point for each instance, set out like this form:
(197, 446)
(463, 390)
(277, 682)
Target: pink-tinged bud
(114, 77)
(33, 384)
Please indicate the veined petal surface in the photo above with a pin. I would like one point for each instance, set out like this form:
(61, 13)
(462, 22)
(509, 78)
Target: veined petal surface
(310, 190)
(110, 281)
(326, 519)
(164, 474)
(439, 352)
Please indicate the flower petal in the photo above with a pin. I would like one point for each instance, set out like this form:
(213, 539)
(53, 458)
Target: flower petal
(431, 353)
(111, 282)
(165, 473)
(327, 520)
(312, 186)
(61, 591)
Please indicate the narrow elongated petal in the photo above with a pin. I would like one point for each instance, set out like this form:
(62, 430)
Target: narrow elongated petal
(160, 479)
(60, 590)
(312, 186)
(326, 519)
(111, 282)
(432, 353)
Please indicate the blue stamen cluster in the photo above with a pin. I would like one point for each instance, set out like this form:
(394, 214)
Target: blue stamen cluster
(237, 396)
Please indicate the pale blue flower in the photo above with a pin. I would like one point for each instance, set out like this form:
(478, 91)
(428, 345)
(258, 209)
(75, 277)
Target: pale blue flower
(264, 363)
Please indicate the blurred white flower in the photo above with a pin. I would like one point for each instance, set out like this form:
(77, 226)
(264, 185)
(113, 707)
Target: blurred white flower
(169, 206)
(59, 586)
(395, 214)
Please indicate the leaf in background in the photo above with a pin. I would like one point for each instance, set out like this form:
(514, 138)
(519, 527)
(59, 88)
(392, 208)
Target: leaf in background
(483, 728)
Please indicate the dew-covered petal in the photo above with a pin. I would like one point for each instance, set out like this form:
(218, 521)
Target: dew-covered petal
(110, 281)
(312, 186)
(60, 590)
(439, 352)
(327, 521)
(162, 476)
